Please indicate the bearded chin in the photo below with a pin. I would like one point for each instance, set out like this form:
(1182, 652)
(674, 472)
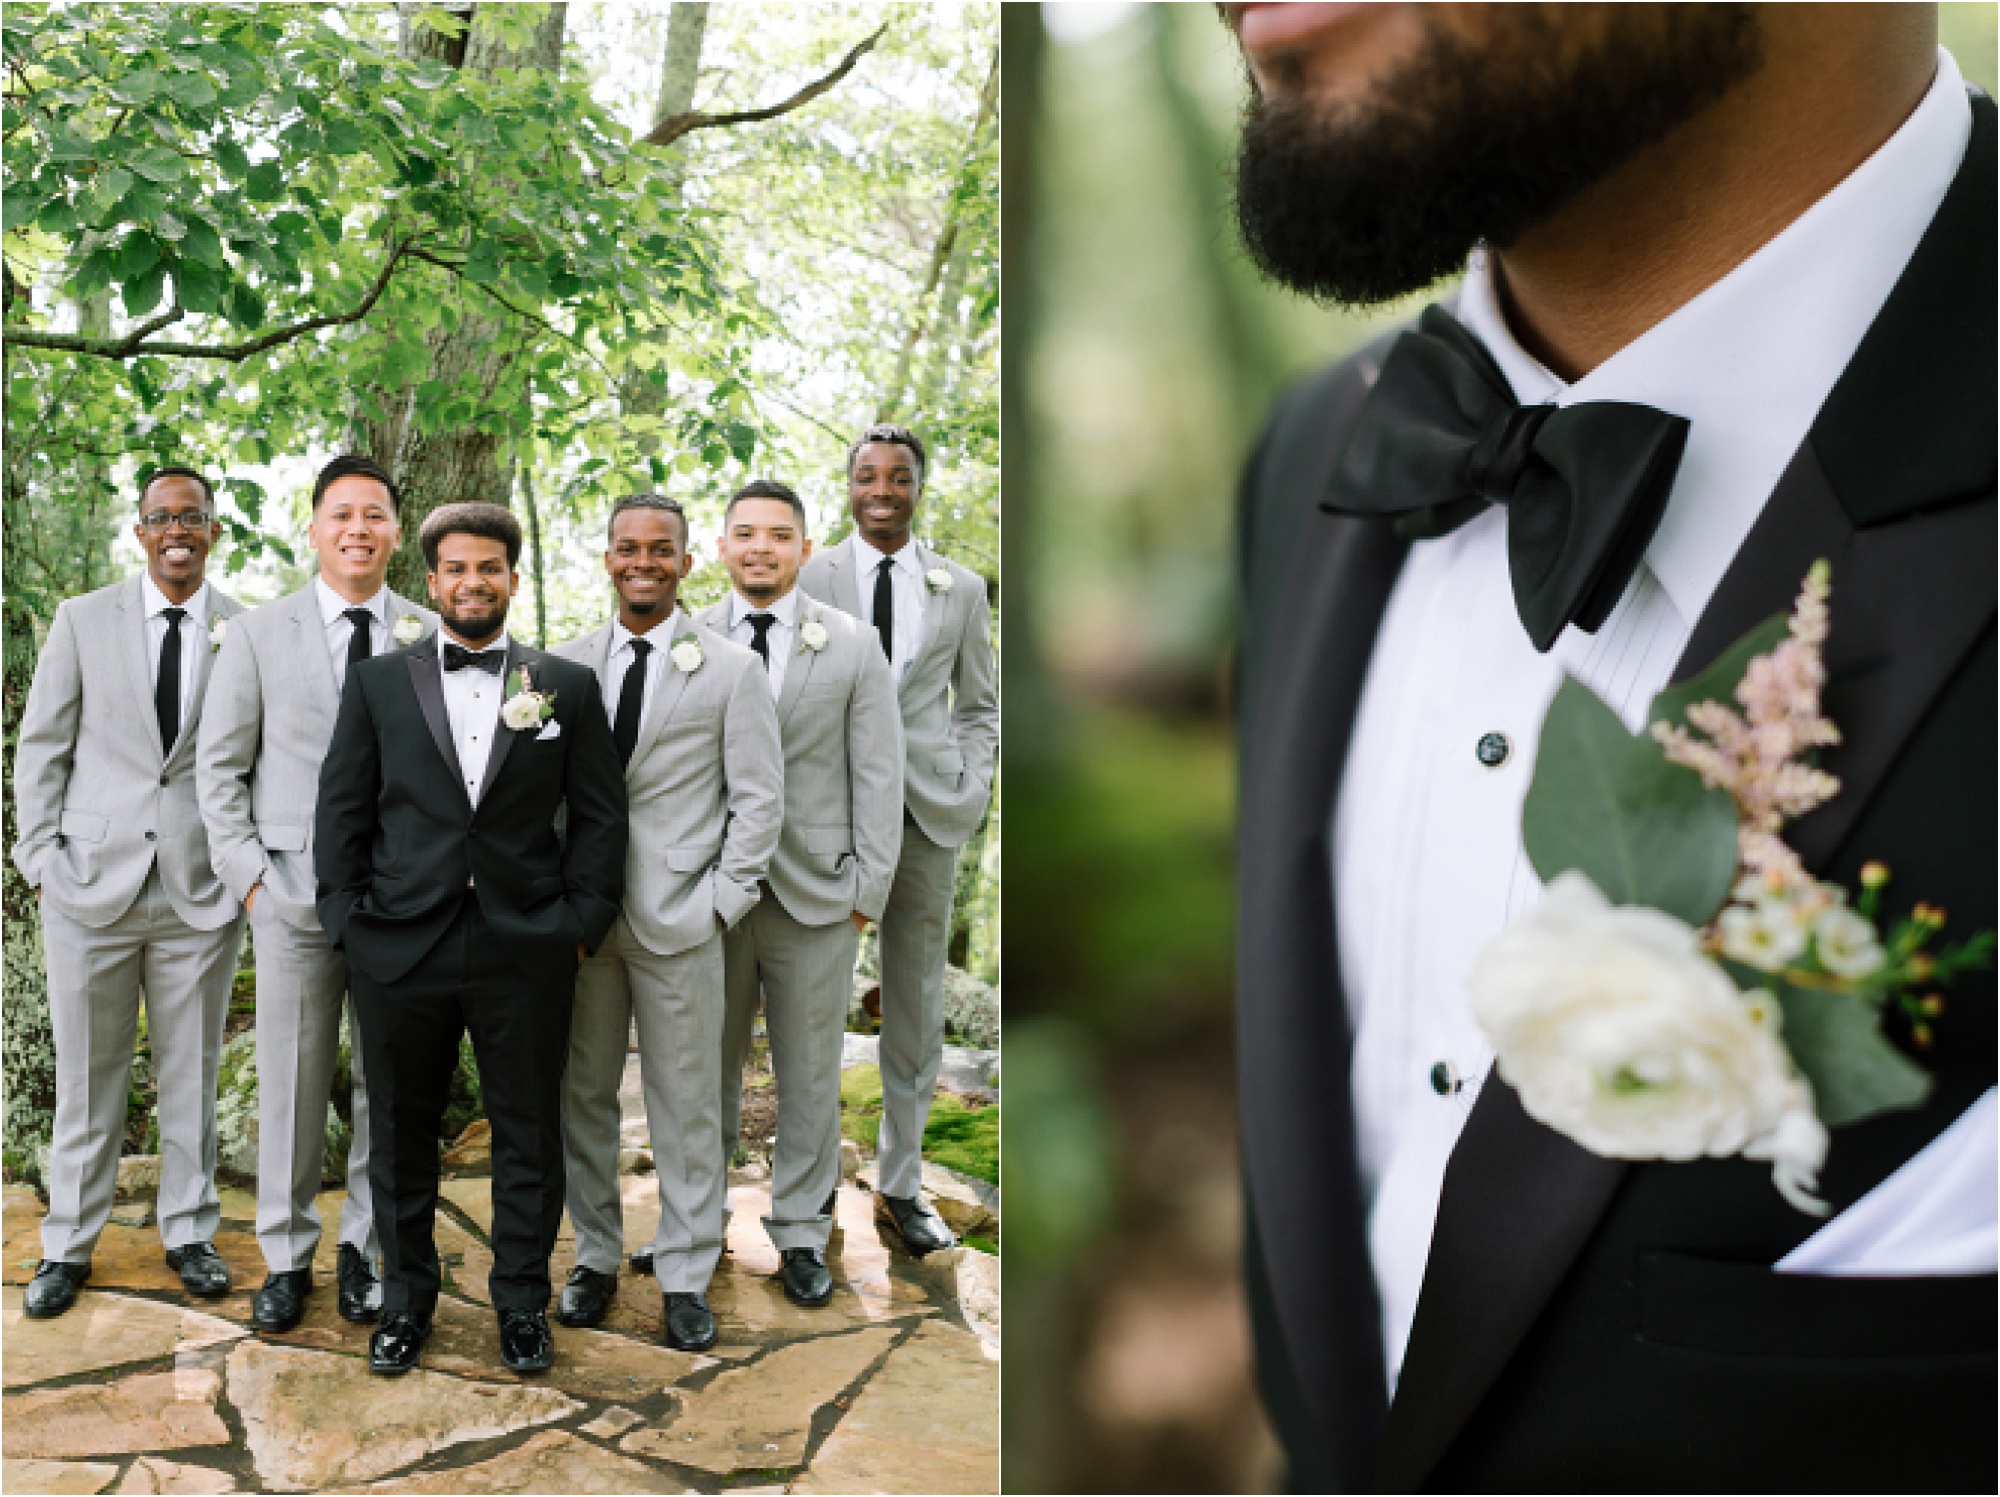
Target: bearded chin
(1469, 144)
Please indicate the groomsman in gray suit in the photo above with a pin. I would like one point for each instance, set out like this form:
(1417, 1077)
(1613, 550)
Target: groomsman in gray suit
(112, 844)
(697, 732)
(831, 874)
(934, 624)
(277, 686)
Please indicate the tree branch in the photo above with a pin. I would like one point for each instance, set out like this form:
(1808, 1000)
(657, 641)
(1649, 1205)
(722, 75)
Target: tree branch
(674, 126)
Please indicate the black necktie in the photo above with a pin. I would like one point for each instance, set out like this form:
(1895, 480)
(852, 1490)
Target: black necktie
(360, 643)
(631, 697)
(457, 658)
(761, 623)
(1440, 438)
(885, 607)
(167, 690)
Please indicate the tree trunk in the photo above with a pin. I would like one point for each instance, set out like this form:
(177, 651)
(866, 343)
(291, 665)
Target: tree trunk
(533, 514)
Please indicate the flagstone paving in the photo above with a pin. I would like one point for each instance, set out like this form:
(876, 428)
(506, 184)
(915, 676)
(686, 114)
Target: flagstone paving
(894, 1387)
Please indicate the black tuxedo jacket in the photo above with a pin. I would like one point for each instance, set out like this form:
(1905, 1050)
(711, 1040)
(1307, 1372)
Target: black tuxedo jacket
(1588, 1324)
(397, 838)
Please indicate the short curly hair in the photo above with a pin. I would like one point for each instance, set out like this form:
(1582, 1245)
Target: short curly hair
(899, 436)
(492, 521)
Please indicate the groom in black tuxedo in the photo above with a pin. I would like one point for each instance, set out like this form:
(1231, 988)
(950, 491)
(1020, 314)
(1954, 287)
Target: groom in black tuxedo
(442, 878)
(1730, 309)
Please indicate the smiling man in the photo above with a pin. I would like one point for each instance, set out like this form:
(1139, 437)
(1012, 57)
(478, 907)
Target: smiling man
(442, 878)
(278, 679)
(1729, 309)
(112, 845)
(704, 779)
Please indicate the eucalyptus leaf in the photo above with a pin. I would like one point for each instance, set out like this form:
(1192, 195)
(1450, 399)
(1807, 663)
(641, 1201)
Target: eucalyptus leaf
(1837, 1042)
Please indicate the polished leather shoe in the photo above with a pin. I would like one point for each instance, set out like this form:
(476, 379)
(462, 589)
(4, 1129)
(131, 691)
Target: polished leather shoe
(203, 1273)
(281, 1303)
(53, 1288)
(690, 1323)
(360, 1291)
(392, 1350)
(525, 1342)
(586, 1297)
(642, 1263)
(805, 1277)
(922, 1229)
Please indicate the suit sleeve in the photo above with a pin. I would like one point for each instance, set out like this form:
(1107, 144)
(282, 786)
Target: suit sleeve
(975, 707)
(875, 770)
(47, 750)
(753, 768)
(232, 730)
(350, 789)
(597, 827)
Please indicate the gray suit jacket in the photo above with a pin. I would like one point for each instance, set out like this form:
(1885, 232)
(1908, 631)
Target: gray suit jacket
(99, 802)
(706, 790)
(843, 770)
(951, 717)
(270, 717)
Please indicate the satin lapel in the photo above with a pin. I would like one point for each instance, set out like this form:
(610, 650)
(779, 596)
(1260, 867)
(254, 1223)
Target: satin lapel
(1293, 1044)
(666, 697)
(138, 658)
(799, 669)
(504, 736)
(424, 680)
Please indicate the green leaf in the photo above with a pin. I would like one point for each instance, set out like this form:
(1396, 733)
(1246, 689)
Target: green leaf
(137, 255)
(246, 307)
(1718, 683)
(202, 243)
(143, 294)
(95, 273)
(266, 182)
(230, 157)
(137, 88)
(190, 90)
(198, 286)
(742, 440)
(170, 226)
(482, 263)
(1643, 830)
(58, 216)
(19, 209)
(345, 138)
(1836, 1040)
(158, 164)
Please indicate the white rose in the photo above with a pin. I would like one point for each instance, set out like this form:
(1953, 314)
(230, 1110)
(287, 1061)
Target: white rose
(812, 634)
(1618, 1032)
(409, 629)
(1767, 935)
(687, 656)
(1796, 1147)
(521, 712)
(216, 631)
(1846, 943)
(939, 579)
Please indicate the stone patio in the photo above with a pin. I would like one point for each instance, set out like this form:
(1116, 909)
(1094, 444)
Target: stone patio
(894, 1387)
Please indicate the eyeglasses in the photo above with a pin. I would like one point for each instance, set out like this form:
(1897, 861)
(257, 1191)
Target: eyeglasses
(161, 519)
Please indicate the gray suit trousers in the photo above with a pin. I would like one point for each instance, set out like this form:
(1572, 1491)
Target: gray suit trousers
(676, 1002)
(96, 975)
(807, 975)
(916, 930)
(301, 987)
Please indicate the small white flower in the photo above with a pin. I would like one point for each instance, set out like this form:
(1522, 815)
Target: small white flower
(522, 712)
(216, 631)
(409, 629)
(1766, 935)
(938, 580)
(812, 635)
(1796, 1148)
(687, 656)
(1846, 943)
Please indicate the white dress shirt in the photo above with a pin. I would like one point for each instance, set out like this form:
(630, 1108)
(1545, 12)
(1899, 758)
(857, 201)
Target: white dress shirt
(340, 628)
(778, 638)
(907, 587)
(661, 638)
(1428, 862)
(472, 704)
(194, 635)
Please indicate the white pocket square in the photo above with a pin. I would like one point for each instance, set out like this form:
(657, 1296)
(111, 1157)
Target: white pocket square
(550, 729)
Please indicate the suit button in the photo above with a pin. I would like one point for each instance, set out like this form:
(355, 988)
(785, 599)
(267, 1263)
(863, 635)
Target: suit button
(1445, 1079)
(163, 779)
(149, 836)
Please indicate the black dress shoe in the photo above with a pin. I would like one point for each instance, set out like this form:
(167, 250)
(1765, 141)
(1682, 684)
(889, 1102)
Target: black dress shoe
(392, 1350)
(922, 1229)
(642, 1263)
(53, 1288)
(525, 1343)
(586, 1297)
(360, 1291)
(281, 1303)
(805, 1277)
(690, 1323)
(203, 1273)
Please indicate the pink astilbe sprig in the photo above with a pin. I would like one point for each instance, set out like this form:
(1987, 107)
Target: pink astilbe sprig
(1754, 754)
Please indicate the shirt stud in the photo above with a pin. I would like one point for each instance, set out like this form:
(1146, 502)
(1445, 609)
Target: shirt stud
(1445, 1079)
(1493, 750)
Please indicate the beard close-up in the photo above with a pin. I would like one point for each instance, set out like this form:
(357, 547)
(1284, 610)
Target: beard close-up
(1469, 141)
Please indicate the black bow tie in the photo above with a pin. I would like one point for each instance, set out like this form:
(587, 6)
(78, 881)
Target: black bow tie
(1440, 438)
(457, 658)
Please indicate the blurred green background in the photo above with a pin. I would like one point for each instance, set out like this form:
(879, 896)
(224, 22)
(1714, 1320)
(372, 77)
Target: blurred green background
(1142, 354)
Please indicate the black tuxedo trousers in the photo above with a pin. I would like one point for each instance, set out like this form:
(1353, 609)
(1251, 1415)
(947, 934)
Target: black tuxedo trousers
(1587, 1324)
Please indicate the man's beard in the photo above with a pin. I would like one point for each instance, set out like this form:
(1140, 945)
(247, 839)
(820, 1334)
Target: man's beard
(473, 626)
(1471, 143)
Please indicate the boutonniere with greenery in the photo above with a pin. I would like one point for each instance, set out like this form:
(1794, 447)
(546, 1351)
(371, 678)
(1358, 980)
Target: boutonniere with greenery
(525, 707)
(686, 654)
(812, 636)
(216, 633)
(409, 629)
(1686, 988)
(938, 580)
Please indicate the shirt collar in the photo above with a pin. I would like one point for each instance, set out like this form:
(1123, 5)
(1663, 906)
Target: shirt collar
(666, 629)
(1751, 359)
(907, 559)
(333, 606)
(785, 609)
(157, 602)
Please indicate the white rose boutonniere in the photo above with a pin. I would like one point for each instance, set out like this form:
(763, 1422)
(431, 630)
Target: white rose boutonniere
(938, 580)
(812, 636)
(686, 654)
(216, 631)
(409, 629)
(525, 707)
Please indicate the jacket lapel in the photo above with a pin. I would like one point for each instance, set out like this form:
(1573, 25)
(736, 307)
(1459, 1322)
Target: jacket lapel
(1911, 543)
(423, 663)
(310, 643)
(937, 623)
(504, 736)
(666, 697)
(138, 656)
(799, 669)
(220, 607)
(847, 578)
